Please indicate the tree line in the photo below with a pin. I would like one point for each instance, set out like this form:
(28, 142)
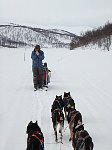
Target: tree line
(101, 37)
(6, 42)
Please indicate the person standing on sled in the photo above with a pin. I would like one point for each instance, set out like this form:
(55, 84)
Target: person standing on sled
(37, 67)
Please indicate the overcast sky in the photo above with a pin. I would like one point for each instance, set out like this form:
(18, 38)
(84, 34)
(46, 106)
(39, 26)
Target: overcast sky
(57, 12)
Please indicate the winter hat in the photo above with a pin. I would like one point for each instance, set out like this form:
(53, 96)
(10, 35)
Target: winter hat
(37, 46)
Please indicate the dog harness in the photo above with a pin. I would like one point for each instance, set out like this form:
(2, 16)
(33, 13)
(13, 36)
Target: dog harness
(34, 135)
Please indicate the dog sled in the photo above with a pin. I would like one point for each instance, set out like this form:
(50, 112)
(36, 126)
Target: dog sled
(42, 78)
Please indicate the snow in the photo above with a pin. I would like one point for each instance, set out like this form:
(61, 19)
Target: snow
(86, 74)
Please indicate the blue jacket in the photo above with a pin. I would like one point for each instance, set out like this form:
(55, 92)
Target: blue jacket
(37, 59)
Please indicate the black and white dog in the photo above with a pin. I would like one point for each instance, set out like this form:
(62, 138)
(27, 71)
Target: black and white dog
(58, 103)
(68, 103)
(57, 116)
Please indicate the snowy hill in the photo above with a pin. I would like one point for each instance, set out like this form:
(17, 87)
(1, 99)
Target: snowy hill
(77, 30)
(86, 74)
(21, 35)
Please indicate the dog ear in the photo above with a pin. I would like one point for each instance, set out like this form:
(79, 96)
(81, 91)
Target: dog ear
(56, 96)
(69, 93)
(30, 122)
(64, 94)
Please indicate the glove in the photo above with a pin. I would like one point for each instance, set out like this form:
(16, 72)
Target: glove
(37, 52)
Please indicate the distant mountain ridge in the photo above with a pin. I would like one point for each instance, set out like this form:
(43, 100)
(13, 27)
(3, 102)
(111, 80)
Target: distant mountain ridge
(12, 35)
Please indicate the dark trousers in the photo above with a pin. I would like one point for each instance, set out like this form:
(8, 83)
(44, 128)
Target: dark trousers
(37, 77)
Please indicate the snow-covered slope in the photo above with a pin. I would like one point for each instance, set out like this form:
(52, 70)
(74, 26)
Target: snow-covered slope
(29, 36)
(86, 74)
(77, 30)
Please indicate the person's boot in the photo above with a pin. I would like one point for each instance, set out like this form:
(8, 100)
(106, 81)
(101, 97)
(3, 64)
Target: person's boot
(35, 87)
(40, 88)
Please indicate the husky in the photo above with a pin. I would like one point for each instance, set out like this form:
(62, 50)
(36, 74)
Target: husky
(74, 118)
(58, 103)
(35, 140)
(58, 119)
(68, 103)
(84, 141)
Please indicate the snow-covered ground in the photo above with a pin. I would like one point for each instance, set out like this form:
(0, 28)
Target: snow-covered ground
(87, 74)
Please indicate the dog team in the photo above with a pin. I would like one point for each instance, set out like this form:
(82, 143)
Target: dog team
(63, 109)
